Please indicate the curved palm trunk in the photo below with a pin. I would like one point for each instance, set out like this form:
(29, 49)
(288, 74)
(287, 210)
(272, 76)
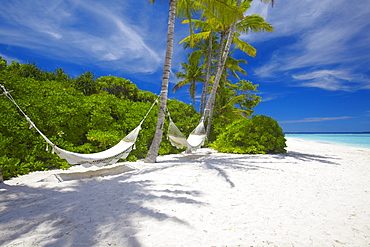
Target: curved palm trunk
(211, 100)
(208, 75)
(220, 67)
(193, 89)
(154, 148)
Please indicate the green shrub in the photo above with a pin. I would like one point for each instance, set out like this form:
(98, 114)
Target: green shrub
(10, 167)
(74, 121)
(257, 135)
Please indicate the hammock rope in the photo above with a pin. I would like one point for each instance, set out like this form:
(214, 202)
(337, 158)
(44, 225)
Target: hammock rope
(110, 156)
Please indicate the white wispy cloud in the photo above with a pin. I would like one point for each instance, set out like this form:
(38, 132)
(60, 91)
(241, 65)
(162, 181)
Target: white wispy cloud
(316, 119)
(268, 96)
(106, 34)
(323, 35)
(331, 80)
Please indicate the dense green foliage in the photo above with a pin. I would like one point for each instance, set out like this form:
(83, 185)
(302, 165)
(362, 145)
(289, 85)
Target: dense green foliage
(256, 135)
(88, 115)
(80, 115)
(234, 101)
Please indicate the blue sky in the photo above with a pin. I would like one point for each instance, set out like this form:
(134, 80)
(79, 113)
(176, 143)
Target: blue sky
(313, 70)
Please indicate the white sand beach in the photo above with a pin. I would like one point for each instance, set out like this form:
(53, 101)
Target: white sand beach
(317, 194)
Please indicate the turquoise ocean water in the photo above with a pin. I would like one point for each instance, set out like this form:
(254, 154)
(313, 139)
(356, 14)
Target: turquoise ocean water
(354, 140)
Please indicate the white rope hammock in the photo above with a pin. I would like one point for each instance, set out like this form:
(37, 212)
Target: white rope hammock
(194, 141)
(110, 156)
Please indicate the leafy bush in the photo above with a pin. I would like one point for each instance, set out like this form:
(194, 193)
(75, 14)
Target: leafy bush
(75, 121)
(257, 135)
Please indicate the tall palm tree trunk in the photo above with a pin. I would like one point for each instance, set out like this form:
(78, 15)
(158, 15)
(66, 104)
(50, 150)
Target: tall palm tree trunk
(208, 75)
(154, 148)
(210, 102)
(220, 67)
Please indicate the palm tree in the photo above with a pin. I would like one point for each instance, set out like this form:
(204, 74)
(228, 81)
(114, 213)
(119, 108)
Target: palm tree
(205, 48)
(86, 83)
(209, 23)
(240, 94)
(154, 147)
(208, 73)
(192, 74)
(184, 7)
(253, 23)
(231, 94)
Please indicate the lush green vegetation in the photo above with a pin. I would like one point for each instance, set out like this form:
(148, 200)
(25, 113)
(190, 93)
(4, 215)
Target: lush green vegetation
(256, 135)
(227, 101)
(225, 20)
(87, 114)
(81, 114)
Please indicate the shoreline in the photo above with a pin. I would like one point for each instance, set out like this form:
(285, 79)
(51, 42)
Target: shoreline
(315, 195)
(343, 145)
(332, 142)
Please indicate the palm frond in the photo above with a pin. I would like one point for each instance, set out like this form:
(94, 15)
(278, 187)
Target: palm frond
(222, 10)
(196, 37)
(244, 46)
(254, 23)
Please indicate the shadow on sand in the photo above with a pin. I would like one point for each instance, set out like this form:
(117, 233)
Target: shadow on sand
(84, 212)
(312, 158)
(88, 212)
(221, 162)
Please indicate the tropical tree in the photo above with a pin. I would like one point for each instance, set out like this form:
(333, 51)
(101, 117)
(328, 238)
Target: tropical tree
(205, 49)
(120, 87)
(208, 72)
(61, 76)
(74, 121)
(86, 83)
(252, 23)
(2, 64)
(192, 74)
(184, 7)
(234, 101)
(154, 147)
(209, 24)
(28, 70)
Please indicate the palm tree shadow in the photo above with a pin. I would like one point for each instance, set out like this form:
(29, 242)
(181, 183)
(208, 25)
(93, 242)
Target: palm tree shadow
(221, 172)
(83, 212)
(222, 163)
(312, 158)
(247, 162)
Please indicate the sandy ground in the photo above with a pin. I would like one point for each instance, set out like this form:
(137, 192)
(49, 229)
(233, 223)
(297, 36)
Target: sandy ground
(315, 195)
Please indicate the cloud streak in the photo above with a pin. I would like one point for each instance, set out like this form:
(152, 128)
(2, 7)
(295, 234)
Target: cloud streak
(59, 28)
(333, 80)
(330, 36)
(316, 119)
